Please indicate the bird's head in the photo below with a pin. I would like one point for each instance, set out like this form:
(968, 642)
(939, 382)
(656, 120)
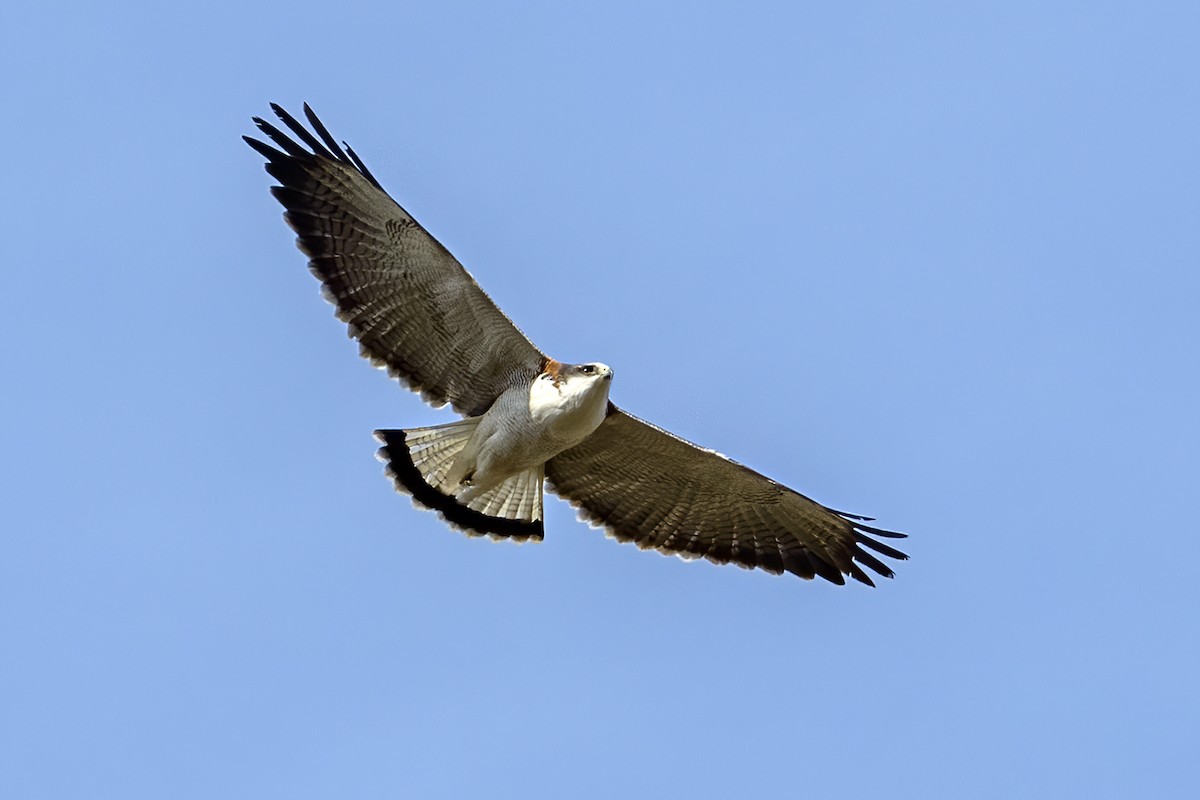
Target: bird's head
(594, 371)
(577, 380)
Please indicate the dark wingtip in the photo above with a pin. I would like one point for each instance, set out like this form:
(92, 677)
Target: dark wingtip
(862, 538)
(281, 139)
(857, 573)
(263, 149)
(362, 167)
(826, 570)
(879, 547)
(321, 146)
(300, 131)
(872, 563)
(881, 532)
(323, 132)
(407, 479)
(855, 517)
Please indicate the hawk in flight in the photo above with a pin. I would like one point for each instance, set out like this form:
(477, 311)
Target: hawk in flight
(526, 417)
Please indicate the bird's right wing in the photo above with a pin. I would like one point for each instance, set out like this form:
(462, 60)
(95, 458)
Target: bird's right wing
(652, 488)
(413, 308)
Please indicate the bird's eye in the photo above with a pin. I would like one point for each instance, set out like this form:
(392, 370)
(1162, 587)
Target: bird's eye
(587, 369)
(546, 376)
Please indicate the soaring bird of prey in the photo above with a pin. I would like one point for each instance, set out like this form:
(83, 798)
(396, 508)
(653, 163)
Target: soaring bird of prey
(527, 418)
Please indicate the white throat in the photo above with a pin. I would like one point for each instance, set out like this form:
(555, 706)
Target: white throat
(569, 408)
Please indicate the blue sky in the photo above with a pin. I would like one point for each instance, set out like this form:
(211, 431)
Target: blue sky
(932, 262)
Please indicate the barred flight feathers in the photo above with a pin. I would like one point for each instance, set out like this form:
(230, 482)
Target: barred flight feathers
(650, 487)
(413, 308)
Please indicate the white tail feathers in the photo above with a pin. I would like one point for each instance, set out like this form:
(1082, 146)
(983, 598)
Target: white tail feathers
(421, 462)
(518, 497)
(433, 449)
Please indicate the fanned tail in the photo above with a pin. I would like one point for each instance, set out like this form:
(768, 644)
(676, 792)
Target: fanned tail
(419, 462)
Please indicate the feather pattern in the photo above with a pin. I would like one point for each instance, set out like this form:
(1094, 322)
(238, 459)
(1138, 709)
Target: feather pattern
(652, 488)
(413, 308)
(410, 460)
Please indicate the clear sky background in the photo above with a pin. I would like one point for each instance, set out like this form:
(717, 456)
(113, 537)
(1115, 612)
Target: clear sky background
(932, 262)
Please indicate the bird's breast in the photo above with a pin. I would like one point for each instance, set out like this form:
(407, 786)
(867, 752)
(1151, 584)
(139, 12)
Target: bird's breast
(564, 414)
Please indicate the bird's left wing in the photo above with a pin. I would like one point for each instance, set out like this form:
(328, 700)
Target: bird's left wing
(652, 488)
(410, 304)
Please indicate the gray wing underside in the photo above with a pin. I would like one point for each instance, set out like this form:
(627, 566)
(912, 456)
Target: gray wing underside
(649, 487)
(412, 307)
